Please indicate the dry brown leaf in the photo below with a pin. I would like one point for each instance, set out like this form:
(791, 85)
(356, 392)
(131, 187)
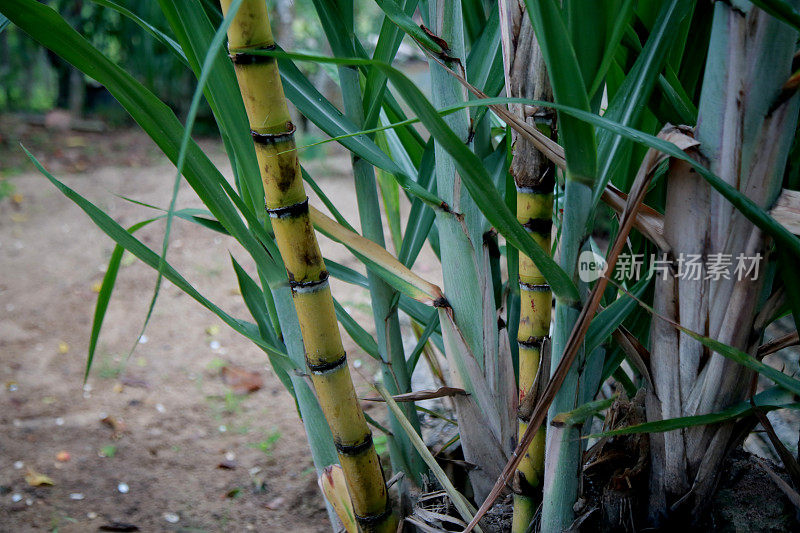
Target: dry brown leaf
(117, 426)
(240, 380)
(37, 479)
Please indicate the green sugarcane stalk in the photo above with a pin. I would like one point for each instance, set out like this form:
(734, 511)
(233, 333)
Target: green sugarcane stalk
(287, 206)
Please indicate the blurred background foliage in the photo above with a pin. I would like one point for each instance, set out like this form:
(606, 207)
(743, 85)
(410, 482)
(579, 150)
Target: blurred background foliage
(35, 80)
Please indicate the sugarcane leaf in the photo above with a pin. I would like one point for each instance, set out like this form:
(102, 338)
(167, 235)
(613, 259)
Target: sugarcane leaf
(430, 326)
(104, 295)
(390, 196)
(255, 301)
(629, 101)
(398, 150)
(210, 56)
(377, 259)
(582, 413)
(204, 48)
(621, 20)
(479, 184)
(361, 337)
(411, 139)
(791, 284)
(326, 117)
(327, 201)
(420, 220)
(4, 22)
(675, 96)
(734, 354)
(474, 17)
(346, 274)
(586, 23)
(485, 62)
(768, 400)
(386, 48)
(610, 318)
(165, 39)
(469, 166)
(201, 217)
(404, 22)
(337, 22)
(150, 258)
(782, 10)
(568, 86)
(459, 501)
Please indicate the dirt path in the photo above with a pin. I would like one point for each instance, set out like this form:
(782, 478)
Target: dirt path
(178, 420)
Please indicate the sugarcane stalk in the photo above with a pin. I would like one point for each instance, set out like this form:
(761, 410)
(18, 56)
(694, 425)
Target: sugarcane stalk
(461, 238)
(534, 212)
(287, 206)
(534, 177)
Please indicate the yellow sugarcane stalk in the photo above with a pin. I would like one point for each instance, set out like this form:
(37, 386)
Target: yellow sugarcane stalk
(287, 206)
(534, 212)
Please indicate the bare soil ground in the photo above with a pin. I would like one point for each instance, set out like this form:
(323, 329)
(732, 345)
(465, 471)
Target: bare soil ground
(177, 421)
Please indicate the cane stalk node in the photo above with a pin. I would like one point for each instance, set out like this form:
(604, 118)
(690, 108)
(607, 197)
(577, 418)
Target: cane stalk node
(289, 211)
(534, 287)
(352, 450)
(274, 138)
(327, 366)
(248, 58)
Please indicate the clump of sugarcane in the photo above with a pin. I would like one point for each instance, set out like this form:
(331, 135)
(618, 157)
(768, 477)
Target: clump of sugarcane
(287, 206)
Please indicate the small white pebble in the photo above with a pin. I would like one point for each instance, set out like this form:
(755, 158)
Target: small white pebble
(172, 518)
(91, 515)
(87, 387)
(230, 456)
(143, 339)
(18, 465)
(13, 387)
(59, 421)
(357, 363)
(223, 428)
(160, 408)
(214, 345)
(255, 470)
(29, 502)
(123, 488)
(16, 498)
(76, 496)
